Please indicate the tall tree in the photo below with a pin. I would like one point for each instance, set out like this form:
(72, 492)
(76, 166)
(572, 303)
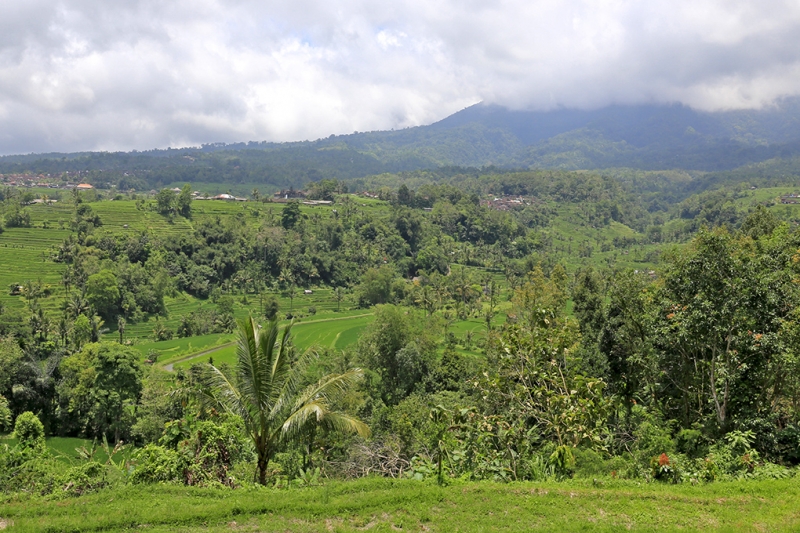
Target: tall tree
(184, 201)
(265, 391)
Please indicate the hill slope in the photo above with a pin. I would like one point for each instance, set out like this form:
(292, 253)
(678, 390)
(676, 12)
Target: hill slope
(645, 137)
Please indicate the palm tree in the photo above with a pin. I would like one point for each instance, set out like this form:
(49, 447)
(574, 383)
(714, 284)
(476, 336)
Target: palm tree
(265, 391)
(121, 323)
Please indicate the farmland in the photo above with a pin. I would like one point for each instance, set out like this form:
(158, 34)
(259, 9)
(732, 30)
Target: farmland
(520, 363)
(26, 254)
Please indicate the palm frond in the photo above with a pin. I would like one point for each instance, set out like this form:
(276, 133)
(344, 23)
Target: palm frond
(247, 371)
(315, 404)
(308, 414)
(332, 388)
(344, 423)
(317, 413)
(281, 365)
(293, 379)
(225, 394)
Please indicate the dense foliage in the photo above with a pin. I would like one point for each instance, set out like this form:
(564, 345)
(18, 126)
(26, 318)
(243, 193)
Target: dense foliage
(683, 370)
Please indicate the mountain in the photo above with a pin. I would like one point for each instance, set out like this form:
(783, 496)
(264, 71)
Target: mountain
(646, 137)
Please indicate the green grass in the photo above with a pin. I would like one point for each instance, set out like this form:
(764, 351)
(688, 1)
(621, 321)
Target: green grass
(406, 505)
(224, 355)
(337, 332)
(174, 349)
(328, 333)
(64, 448)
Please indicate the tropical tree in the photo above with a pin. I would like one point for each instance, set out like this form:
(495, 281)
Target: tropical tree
(183, 202)
(266, 391)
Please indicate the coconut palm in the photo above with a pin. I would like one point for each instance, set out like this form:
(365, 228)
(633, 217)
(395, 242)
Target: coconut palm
(265, 391)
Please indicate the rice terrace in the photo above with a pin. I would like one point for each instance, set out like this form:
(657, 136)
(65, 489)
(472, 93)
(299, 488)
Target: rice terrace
(517, 266)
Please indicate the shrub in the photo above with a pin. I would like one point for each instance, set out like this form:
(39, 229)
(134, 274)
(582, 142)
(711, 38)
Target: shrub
(692, 443)
(271, 308)
(203, 456)
(29, 431)
(662, 469)
(156, 464)
(17, 217)
(563, 461)
(590, 464)
(28, 470)
(84, 478)
(5, 414)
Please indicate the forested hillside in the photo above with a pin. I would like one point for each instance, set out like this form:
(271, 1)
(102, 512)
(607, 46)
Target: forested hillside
(648, 138)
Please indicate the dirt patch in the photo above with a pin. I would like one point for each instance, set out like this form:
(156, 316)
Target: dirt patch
(4, 523)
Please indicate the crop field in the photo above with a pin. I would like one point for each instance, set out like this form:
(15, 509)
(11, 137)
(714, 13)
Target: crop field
(224, 355)
(334, 333)
(337, 333)
(171, 350)
(25, 254)
(407, 505)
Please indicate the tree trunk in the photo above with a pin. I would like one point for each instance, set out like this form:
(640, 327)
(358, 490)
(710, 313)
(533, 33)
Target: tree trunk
(263, 461)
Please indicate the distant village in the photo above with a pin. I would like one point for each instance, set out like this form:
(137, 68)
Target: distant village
(500, 203)
(507, 203)
(46, 181)
(791, 198)
(66, 182)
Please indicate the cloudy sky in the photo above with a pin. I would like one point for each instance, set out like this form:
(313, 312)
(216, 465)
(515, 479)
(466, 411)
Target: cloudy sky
(137, 74)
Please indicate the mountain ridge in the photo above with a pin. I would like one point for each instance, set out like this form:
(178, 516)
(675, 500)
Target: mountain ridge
(646, 137)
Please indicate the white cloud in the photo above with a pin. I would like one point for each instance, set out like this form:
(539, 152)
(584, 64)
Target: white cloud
(123, 74)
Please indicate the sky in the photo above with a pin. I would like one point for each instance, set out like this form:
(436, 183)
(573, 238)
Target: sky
(139, 74)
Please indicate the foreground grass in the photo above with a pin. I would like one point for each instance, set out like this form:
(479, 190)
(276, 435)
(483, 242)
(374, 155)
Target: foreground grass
(387, 505)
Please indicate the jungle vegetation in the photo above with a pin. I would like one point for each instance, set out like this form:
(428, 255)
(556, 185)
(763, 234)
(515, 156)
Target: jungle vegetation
(512, 326)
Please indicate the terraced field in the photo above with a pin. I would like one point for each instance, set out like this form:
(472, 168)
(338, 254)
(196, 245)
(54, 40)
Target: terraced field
(175, 349)
(335, 333)
(26, 253)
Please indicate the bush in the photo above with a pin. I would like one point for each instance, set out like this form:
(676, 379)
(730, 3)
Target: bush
(29, 431)
(156, 464)
(203, 456)
(17, 217)
(271, 308)
(28, 470)
(590, 464)
(84, 478)
(5, 414)
(692, 443)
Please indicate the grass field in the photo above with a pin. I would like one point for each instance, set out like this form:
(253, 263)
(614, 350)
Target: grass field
(64, 449)
(172, 350)
(407, 505)
(335, 333)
